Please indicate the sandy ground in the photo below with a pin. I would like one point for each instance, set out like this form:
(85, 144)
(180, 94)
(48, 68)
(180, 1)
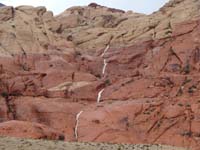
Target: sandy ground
(28, 144)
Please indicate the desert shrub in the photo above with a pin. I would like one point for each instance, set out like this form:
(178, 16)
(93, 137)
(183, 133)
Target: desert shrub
(107, 82)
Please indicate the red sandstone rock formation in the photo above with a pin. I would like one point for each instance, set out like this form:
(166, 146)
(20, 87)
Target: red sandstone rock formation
(51, 69)
(32, 130)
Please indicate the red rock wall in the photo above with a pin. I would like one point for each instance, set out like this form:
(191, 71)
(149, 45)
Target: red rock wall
(151, 91)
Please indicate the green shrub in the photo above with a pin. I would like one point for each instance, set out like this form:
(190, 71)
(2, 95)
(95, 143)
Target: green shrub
(107, 82)
(4, 94)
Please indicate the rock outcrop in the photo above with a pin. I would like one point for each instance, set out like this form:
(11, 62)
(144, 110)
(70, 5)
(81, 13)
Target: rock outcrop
(94, 27)
(22, 129)
(144, 69)
(1, 5)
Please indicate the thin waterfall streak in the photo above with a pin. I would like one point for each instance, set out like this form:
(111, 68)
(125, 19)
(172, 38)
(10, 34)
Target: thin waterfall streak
(99, 95)
(76, 127)
(104, 66)
(106, 49)
(103, 72)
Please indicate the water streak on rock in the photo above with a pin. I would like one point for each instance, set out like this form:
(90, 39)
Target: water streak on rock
(99, 95)
(103, 72)
(105, 50)
(104, 66)
(76, 127)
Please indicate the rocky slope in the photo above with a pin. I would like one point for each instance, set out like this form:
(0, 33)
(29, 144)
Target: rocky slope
(98, 74)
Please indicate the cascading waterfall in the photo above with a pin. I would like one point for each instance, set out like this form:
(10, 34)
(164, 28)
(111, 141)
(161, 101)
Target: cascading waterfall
(103, 71)
(76, 127)
(99, 94)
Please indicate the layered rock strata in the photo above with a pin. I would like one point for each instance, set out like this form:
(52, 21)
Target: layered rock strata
(51, 70)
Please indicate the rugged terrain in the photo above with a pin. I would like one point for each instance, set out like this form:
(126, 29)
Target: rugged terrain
(98, 74)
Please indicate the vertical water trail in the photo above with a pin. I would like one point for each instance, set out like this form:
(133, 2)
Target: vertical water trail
(104, 60)
(105, 50)
(76, 127)
(103, 71)
(104, 66)
(99, 95)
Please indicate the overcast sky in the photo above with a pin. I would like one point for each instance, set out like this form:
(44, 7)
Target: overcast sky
(58, 6)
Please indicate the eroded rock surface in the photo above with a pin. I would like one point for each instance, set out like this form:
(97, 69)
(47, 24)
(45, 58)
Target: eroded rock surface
(93, 27)
(53, 67)
(22, 129)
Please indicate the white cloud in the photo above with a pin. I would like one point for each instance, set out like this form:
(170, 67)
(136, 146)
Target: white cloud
(57, 6)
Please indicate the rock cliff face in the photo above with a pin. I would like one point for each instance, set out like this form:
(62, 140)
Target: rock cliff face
(100, 74)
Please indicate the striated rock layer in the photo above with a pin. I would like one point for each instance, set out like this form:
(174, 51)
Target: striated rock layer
(134, 77)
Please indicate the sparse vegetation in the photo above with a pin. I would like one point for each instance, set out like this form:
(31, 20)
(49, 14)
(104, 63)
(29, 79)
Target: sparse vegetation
(20, 60)
(187, 133)
(98, 75)
(45, 33)
(107, 82)
(186, 81)
(23, 144)
(188, 105)
(61, 138)
(186, 68)
(192, 89)
(4, 94)
(77, 53)
(180, 91)
(180, 104)
(13, 26)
